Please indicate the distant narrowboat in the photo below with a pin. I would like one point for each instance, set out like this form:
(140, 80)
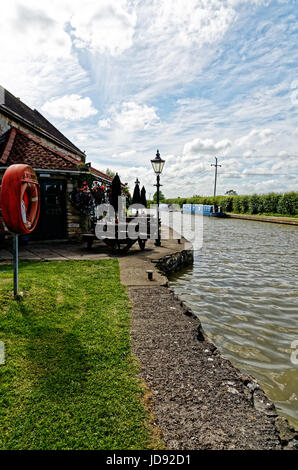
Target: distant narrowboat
(203, 209)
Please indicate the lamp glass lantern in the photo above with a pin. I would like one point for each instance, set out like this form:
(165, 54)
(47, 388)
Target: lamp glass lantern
(158, 164)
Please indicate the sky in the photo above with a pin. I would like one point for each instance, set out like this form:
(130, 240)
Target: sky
(193, 78)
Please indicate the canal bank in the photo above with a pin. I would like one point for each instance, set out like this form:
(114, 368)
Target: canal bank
(199, 400)
(243, 286)
(263, 218)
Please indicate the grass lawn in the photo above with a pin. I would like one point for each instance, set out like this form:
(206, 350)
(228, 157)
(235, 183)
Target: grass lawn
(69, 381)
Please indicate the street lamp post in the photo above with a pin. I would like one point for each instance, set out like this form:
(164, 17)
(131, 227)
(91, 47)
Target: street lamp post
(158, 164)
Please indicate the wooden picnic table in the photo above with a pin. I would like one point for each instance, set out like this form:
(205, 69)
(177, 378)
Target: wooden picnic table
(117, 234)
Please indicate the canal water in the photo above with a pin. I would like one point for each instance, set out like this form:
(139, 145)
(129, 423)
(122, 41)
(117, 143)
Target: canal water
(243, 286)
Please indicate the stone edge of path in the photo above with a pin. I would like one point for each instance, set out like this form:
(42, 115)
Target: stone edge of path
(286, 434)
(274, 220)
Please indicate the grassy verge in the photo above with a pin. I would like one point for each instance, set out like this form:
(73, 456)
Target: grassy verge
(69, 381)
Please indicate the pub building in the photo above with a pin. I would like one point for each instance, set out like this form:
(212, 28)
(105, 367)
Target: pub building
(27, 137)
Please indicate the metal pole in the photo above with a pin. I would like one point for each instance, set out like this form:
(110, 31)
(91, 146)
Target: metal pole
(157, 241)
(16, 265)
(215, 176)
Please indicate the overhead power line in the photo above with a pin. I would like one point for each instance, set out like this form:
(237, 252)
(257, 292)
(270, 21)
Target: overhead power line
(258, 174)
(260, 156)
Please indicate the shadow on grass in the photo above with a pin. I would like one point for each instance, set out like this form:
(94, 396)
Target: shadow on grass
(58, 360)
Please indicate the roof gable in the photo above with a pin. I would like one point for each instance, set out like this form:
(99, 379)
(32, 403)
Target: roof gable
(20, 111)
(18, 147)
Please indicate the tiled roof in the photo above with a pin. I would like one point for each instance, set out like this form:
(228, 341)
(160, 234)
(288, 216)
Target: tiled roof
(20, 110)
(100, 174)
(18, 147)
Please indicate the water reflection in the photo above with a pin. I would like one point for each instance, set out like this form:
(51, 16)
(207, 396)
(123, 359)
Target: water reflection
(244, 288)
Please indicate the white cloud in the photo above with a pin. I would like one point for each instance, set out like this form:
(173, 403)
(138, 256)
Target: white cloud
(36, 60)
(125, 155)
(256, 137)
(283, 154)
(207, 146)
(193, 21)
(131, 117)
(134, 116)
(36, 30)
(70, 107)
(105, 26)
(105, 123)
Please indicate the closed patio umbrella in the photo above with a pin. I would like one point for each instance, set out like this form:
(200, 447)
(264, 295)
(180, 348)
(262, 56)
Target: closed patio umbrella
(143, 197)
(136, 198)
(115, 191)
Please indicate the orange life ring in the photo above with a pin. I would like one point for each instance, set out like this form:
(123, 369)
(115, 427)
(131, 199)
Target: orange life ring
(20, 199)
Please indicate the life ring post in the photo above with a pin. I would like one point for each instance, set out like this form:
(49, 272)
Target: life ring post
(16, 265)
(20, 207)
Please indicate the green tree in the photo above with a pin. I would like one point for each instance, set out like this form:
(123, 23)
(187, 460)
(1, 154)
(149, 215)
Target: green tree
(231, 192)
(110, 173)
(161, 196)
(244, 204)
(237, 204)
(126, 190)
(288, 203)
(254, 204)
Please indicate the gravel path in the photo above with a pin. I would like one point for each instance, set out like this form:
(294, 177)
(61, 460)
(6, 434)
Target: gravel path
(199, 399)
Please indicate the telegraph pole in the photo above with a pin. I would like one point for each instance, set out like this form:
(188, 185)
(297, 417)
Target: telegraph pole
(215, 179)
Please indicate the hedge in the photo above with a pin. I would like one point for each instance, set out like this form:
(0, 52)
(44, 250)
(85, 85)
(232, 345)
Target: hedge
(272, 203)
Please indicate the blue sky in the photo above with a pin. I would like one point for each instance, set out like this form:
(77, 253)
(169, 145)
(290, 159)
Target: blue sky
(193, 78)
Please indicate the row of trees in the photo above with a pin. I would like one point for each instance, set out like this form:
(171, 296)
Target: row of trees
(273, 203)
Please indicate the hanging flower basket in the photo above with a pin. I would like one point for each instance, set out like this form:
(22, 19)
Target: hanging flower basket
(85, 199)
